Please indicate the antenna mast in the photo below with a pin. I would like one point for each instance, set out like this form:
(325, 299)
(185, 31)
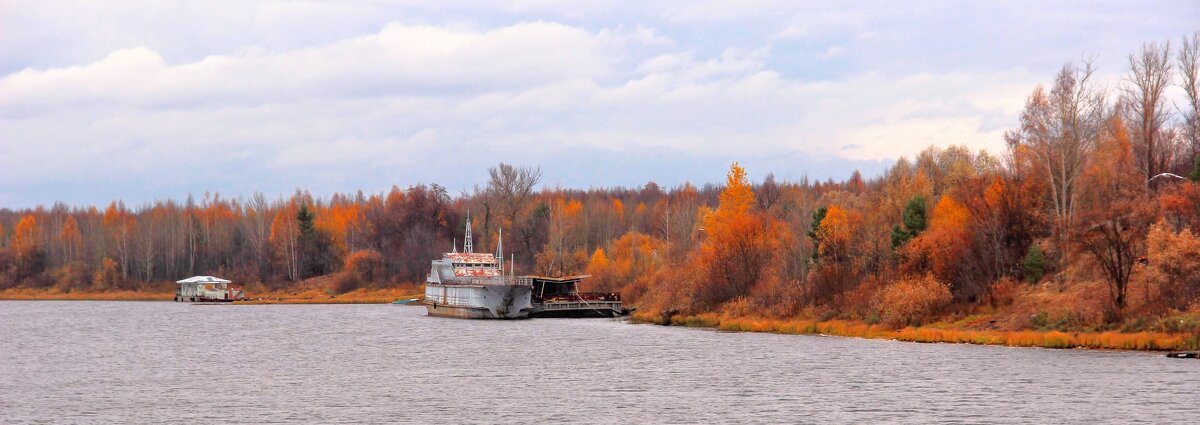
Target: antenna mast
(467, 247)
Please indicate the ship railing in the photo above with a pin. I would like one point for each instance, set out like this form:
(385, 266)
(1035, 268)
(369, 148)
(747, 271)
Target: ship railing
(581, 305)
(494, 280)
(584, 296)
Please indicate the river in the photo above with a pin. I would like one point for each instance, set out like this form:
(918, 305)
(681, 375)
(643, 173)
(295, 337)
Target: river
(162, 362)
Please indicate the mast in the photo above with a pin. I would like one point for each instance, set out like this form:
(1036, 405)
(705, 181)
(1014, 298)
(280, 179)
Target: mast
(500, 251)
(467, 244)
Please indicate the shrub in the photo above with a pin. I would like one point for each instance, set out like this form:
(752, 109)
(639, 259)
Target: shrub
(1002, 292)
(913, 300)
(366, 265)
(345, 281)
(71, 276)
(1172, 260)
(1035, 264)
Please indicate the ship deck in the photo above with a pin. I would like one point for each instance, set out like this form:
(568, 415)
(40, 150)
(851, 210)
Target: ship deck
(578, 308)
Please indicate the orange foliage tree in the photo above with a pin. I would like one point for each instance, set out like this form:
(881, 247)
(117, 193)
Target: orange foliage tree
(70, 238)
(737, 245)
(911, 301)
(837, 233)
(1117, 213)
(628, 266)
(27, 247)
(1173, 260)
(944, 246)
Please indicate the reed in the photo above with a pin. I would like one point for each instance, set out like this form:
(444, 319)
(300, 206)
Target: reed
(359, 296)
(53, 294)
(1145, 341)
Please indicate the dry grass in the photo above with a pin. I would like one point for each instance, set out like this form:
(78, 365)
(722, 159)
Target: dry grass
(311, 296)
(1146, 341)
(55, 294)
(358, 296)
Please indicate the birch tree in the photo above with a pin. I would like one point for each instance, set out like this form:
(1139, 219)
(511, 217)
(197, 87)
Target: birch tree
(1188, 62)
(1058, 132)
(1145, 107)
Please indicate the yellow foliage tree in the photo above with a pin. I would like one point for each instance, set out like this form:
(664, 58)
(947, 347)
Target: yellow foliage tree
(837, 233)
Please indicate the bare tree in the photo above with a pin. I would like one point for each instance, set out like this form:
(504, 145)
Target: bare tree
(511, 187)
(767, 193)
(1145, 108)
(1189, 74)
(1059, 131)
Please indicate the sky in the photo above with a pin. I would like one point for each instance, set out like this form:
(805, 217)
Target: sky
(144, 100)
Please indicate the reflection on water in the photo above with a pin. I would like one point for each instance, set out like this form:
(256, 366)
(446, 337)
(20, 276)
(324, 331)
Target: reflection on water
(131, 362)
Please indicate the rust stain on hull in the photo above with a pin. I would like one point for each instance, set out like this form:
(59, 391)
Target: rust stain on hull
(470, 312)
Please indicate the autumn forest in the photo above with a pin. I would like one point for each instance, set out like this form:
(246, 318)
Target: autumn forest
(1089, 221)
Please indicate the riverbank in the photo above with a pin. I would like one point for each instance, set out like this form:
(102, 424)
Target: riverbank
(359, 296)
(1141, 341)
(27, 294)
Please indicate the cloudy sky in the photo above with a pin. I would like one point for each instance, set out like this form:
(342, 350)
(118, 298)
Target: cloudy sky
(142, 100)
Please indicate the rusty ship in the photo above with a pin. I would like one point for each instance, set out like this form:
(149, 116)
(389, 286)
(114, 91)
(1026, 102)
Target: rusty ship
(472, 285)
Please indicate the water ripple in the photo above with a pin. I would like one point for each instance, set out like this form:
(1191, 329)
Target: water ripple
(128, 362)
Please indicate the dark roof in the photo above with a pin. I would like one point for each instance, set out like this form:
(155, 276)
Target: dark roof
(560, 279)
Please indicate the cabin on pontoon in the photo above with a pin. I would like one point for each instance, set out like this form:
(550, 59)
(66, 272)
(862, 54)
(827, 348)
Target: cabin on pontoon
(209, 289)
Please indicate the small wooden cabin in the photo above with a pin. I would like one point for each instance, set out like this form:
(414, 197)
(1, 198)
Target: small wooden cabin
(209, 289)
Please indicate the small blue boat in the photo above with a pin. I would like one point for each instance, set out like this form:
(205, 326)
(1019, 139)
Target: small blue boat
(403, 302)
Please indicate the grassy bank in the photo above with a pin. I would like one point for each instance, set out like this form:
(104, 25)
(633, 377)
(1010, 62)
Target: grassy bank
(54, 294)
(1146, 341)
(359, 296)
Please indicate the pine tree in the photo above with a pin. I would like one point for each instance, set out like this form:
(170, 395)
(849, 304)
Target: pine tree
(817, 216)
(1035, 264)
(914, 220)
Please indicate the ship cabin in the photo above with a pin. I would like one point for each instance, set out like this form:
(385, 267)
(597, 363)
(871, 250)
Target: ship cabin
(560, 297)
(470, 264)
(209, 289)
(464, 268)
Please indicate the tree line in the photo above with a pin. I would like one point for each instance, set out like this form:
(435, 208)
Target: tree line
(1096, 184)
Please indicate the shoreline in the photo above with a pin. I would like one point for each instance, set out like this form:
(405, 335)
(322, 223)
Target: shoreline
(360, 296)
(1110, 340)
(1138, 341)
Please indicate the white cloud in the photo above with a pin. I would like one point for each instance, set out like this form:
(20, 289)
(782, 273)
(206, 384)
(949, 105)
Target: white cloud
(833, 52)
(277, 97)
(412, 96)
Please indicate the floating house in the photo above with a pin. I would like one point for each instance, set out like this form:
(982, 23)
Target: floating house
(209, 289)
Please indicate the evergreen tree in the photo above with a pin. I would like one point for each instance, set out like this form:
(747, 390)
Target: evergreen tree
(1035, 264)
(914, 219)
(817, 216)
(315, 253)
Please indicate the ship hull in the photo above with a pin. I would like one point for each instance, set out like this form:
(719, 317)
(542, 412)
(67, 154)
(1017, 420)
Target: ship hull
(478, 301)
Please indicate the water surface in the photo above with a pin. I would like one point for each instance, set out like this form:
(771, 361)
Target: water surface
(158, 362)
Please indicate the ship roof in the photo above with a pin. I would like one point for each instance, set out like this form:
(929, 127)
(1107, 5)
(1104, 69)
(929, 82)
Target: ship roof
(560, 278)
(471, 257)
(203, 279)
